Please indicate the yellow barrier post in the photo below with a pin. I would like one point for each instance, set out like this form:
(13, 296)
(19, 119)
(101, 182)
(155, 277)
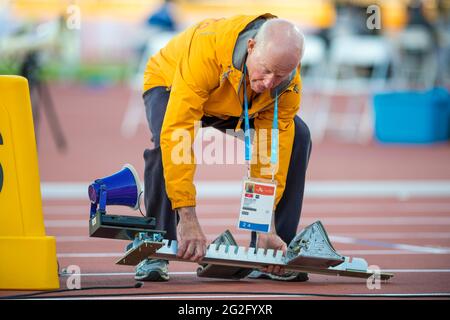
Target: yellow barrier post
(27, 256)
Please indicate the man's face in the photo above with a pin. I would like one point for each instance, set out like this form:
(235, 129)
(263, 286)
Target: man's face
(266, 70)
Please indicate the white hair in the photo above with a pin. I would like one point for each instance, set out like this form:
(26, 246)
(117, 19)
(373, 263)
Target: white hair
(282, 32)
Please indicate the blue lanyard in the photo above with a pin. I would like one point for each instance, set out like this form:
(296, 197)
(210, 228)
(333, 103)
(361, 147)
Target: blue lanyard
(274, 143)
(248, 154)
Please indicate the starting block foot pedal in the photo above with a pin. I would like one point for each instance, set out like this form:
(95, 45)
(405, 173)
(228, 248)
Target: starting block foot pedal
(221, 271)
(312, 248)
(139, 252)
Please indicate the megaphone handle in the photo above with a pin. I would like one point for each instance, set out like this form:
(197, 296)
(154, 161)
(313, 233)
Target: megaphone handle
(102, 202)
(93, 210)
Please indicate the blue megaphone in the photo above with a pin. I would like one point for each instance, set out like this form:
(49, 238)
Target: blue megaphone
(121, 188)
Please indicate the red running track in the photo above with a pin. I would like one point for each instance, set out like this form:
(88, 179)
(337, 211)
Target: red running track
(409, 237)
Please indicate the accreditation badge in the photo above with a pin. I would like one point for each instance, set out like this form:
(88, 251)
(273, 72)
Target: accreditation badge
(257, 203)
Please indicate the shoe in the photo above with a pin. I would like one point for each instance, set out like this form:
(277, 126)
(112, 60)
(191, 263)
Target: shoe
(287, 276)
(152, 270)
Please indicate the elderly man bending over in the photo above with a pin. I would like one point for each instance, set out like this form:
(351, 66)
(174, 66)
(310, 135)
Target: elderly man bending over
(209, 73)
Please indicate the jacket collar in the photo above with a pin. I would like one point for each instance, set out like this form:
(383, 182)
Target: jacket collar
(240, 48)
(240, 53)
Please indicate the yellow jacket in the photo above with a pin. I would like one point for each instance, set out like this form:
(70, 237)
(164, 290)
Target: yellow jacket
(202, 67)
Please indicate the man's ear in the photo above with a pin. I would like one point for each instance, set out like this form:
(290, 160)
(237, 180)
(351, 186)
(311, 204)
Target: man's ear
(250, 45)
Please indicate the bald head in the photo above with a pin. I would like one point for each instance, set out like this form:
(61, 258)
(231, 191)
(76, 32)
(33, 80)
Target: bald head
(278, 36)
(274, 53)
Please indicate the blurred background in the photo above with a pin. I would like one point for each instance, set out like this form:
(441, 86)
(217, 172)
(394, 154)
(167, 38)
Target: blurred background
(375, 76)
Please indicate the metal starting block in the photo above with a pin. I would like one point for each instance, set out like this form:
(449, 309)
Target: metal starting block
(312, 247)
(310, 251)
(142, 246)
(221, 271)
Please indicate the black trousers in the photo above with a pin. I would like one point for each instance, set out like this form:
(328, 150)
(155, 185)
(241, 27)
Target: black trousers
(157, 204)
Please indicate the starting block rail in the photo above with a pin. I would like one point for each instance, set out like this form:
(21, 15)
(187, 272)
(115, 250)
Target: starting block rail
(243, 257)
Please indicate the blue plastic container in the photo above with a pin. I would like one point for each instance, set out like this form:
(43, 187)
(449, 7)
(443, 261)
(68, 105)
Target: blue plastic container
(413, 116)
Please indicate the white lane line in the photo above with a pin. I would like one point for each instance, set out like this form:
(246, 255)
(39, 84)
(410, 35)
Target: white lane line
(329, 208)
(399, 246)
(417, 270)
(67, 209)
(192, 273)
(378, 189)
(418, 249)
(342, 252)
(344, 221)
(119, 274)
(61, 239)
(397, 207)
(387, 252)
(91, 255)
(396, 235)
(66, 223)
(314, 189)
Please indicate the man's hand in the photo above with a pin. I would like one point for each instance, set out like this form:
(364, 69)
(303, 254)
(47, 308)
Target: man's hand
(272, 241)
(191, 240)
